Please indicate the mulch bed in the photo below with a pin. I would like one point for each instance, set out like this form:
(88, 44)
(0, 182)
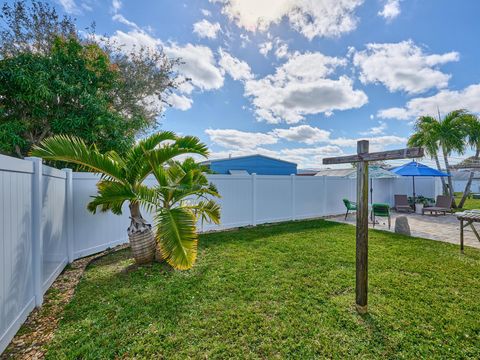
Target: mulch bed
(38, 330)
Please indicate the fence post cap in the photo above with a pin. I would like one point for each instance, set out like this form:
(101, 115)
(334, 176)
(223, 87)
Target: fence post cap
(33, 158)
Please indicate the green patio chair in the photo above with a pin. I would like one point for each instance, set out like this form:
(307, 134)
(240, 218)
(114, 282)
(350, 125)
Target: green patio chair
(381, 210)
(350, 205)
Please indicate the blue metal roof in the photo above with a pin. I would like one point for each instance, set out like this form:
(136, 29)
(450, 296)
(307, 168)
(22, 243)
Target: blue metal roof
(258, 164)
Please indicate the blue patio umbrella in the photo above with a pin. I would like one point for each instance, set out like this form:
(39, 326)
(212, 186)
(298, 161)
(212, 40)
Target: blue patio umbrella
(415, 169)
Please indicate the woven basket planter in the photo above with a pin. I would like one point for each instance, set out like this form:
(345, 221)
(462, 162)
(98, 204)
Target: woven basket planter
(143, 246)
(158, 254)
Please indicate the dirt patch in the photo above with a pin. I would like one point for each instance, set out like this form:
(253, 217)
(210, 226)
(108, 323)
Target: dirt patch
(40, 326)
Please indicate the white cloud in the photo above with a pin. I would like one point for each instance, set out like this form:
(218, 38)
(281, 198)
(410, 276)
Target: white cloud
(300, 87)
(402, 66)
(236, 139)
(132, 40)
(198, 64)
(376, 130)
(310, 157)
(206, 29)
(245, 40)
(121, 19)
(311, 18)
(70, 6)
(206, 12)
(180, 102)
(116, 5)
(315, 151)
(303, 133)
(265, 47)
(377, 142)
(445, 101)
(282, 51)
(237, 69)
(390, 10)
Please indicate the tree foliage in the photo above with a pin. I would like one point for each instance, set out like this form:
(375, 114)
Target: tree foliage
(54, 81)
(68, 92)
(32, 29)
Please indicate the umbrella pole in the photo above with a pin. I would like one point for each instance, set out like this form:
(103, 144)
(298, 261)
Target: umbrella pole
(414, 203)
(371, 191)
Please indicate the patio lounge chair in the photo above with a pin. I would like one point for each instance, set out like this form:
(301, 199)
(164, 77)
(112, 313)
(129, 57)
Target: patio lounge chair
(350, 205)
(381, 210)
(401, 203)
(443, 205)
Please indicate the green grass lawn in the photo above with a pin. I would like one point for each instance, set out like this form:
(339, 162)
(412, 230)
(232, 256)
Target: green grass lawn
(281, 291)
(469, 204)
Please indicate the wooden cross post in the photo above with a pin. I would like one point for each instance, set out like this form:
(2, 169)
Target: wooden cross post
(362, 158)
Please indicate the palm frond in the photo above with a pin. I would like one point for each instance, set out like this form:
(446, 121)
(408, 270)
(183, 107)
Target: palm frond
(177, 237)
(72, 149)
(193, 144)
(138, 168)
(162, 155)
(207, 211)
(149, 198)
(111, 196)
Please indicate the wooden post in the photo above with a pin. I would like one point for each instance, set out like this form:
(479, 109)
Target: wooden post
(362, 230)
(362, 158)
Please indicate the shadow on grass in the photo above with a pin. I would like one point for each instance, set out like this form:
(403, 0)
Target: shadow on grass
(266, 231)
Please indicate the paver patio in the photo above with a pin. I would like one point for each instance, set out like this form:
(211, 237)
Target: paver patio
(442, 228)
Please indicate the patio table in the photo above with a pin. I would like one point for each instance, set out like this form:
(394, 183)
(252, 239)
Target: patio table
(467, 218)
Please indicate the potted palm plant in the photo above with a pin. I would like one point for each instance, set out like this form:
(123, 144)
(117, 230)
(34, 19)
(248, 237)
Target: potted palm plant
(122, 176)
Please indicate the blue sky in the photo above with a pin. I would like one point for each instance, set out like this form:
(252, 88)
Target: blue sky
(302, 79)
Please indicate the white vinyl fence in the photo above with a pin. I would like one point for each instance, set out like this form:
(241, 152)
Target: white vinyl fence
(35, 237)
(44, 223)
(459, 185)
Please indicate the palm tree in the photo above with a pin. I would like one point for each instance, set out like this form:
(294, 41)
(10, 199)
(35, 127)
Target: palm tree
(472, 129)
(448, 133)
(451, 135)
(181, 199)
(122, 176)
(423, 138)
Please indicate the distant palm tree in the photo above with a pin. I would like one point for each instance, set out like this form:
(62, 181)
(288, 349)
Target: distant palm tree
(450, 132)
(472, 130)
(182, 198)
(122, 177)
(423, 137)
(447, 134)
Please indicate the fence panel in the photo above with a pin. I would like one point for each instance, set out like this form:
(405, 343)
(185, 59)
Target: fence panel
(273, 198)
(54, 225)
(337, 189)
(94, 232)
(236, 201)
(16, 282)
(310, 196)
